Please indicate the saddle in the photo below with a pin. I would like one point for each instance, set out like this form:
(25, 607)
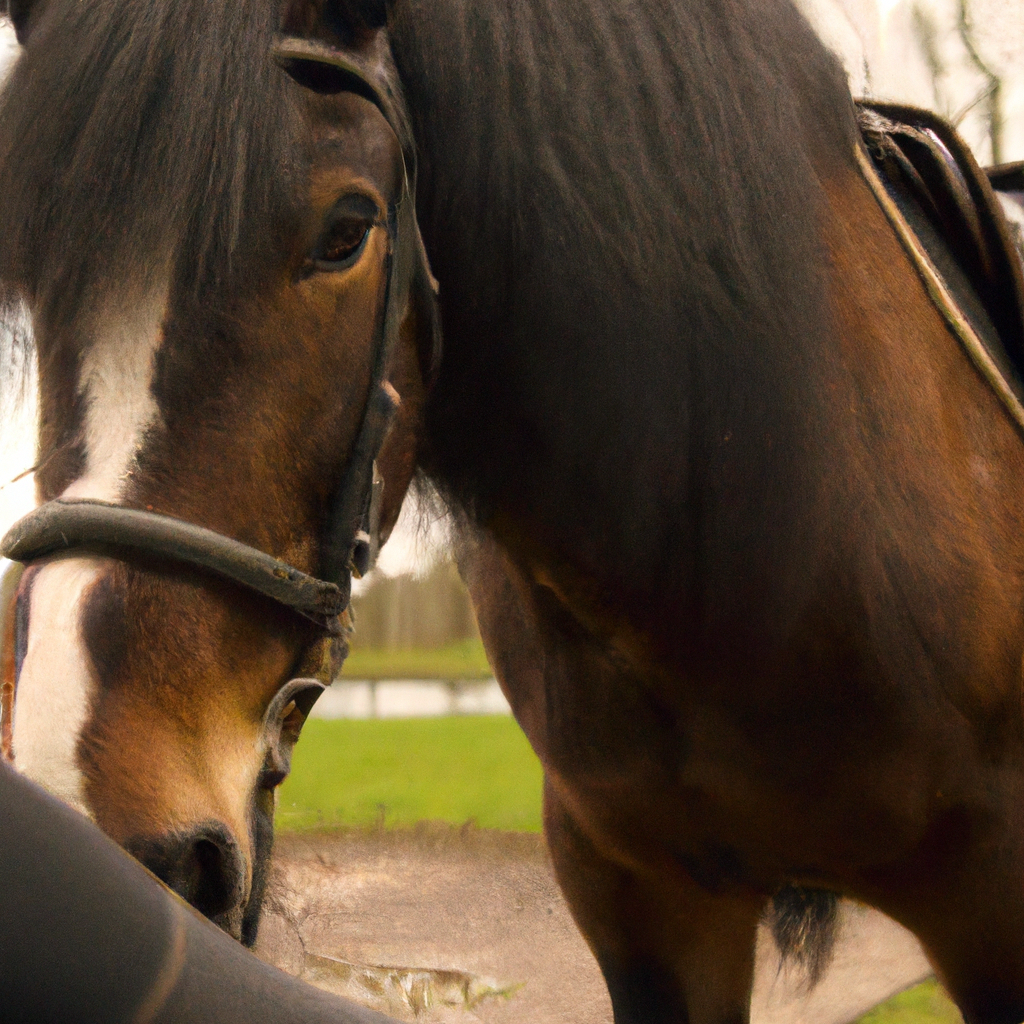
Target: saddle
(964, 229)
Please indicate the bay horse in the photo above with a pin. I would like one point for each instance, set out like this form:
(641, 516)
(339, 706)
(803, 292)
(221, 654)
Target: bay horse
(740, 521)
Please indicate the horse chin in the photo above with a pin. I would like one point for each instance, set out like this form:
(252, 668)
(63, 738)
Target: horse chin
(234, 923)
(241, 923)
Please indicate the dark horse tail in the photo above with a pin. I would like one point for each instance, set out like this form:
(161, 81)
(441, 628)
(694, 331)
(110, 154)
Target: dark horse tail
(804, 923)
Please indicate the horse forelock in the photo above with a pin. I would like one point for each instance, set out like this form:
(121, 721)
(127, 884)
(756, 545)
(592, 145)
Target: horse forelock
(138, 130)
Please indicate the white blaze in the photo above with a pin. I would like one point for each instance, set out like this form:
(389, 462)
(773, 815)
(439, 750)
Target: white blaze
(115, 379)
(56, 686)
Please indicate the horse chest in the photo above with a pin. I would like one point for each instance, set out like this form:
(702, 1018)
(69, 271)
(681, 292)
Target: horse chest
(721, 770)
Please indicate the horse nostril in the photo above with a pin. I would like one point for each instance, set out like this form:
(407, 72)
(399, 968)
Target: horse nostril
(216, 883)
(203, 866)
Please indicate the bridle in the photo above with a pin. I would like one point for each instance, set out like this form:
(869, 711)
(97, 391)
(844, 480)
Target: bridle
(350, 543)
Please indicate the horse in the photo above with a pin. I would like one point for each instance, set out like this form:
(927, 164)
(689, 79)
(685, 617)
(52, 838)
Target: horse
(739, 518)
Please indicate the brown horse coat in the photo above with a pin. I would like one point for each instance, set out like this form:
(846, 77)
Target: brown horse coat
(740, 521)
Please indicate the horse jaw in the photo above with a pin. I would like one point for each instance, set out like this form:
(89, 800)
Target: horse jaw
(56, 683)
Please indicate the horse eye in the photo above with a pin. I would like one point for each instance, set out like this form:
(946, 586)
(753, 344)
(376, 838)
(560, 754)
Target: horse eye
(342, 243)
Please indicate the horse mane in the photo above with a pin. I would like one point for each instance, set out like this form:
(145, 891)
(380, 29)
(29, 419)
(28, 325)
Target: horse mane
(129, 131)
(138, 131)
(640, 177)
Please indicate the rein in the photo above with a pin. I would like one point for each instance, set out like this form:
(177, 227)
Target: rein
(351, 540)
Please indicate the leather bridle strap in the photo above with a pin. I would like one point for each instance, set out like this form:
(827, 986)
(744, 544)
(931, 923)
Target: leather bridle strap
(98, 527)
(351, 540)
(350, 543)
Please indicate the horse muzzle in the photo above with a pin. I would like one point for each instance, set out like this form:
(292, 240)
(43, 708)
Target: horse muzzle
(204, 866)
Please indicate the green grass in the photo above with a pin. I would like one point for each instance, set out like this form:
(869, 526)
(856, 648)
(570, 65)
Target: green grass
(926, 1003)
(397, 772)
(462, 660)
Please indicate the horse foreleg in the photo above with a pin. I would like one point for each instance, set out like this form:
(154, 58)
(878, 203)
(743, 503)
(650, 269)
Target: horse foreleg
(970, 921)
(671, 952)
(960, 890)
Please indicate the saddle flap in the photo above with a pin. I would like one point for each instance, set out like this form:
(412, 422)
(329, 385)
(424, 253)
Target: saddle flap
(920, 153)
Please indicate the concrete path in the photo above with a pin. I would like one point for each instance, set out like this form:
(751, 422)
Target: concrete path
(440, 924)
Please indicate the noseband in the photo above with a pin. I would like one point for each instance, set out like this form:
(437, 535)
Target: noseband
(350, 544)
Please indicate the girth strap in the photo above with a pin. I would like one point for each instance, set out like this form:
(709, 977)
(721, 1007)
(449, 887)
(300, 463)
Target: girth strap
(97, 527)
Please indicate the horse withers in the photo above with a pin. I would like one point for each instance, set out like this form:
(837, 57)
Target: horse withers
(740, 519)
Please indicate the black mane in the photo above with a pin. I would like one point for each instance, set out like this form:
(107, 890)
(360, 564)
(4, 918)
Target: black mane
(132, 130)
(618, 199)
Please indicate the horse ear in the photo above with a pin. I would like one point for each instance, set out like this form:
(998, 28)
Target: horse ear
(20, 13)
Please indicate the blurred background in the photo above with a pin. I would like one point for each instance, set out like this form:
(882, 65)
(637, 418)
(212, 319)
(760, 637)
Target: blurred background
(961, 58)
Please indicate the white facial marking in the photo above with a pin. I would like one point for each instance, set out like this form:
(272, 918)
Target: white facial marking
(115, 379)
(56, 686)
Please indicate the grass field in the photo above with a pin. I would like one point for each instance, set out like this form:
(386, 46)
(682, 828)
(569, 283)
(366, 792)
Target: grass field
(400, 771)
(926, 1003)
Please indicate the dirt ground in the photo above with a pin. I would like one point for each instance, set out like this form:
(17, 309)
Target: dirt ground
(442, 925)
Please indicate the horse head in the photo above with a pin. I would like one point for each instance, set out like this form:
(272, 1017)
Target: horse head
(210, 224)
